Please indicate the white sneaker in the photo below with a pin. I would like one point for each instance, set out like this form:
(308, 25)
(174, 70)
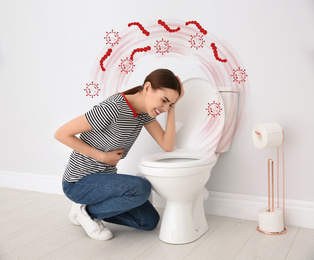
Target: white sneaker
(94, 228)
(73, 214)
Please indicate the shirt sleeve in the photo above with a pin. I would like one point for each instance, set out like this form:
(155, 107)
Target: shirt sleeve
(102, 115)
(148, 119)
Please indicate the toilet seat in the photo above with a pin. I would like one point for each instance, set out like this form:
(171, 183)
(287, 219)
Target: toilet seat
(180, 158)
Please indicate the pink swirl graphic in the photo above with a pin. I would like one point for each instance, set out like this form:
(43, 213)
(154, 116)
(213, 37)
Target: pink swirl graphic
(228, 73)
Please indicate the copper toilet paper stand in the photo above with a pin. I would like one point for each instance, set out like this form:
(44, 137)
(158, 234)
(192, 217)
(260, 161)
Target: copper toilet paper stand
(271, 188)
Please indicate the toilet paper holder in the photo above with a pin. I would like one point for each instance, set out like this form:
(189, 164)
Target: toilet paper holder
(271, 206)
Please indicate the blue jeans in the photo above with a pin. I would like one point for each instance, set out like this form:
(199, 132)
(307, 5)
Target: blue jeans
(115, 198)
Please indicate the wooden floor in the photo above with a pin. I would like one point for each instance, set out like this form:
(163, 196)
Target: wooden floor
(36, 226)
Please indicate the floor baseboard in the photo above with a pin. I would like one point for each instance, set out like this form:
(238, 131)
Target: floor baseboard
(297, 213)
(31, 182)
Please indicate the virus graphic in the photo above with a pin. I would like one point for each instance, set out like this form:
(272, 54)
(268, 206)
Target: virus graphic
(214, 109)
(112, 38)
(197, 41)
(92, 89)
(239, 75)
(127, 65)
(162, 46)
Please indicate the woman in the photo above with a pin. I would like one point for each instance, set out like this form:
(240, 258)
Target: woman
(107, 133)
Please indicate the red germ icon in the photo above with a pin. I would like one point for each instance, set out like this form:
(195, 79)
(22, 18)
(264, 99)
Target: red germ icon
(127, 65)
(214, 109)
(112, 38)
(239, 75)
(146, 49)
(197, 41)
(162, 23)
(162, 46)
(214, 47)
(144, 31)
(108, 53)
(92, 89)
(202, 30)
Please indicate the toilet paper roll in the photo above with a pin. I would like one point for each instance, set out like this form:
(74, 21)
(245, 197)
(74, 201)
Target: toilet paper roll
(271, 221)
(270, 135)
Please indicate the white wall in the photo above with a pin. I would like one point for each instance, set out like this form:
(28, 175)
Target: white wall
(49, 48)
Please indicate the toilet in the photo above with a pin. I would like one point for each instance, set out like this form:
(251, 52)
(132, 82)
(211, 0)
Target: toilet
(205, 122)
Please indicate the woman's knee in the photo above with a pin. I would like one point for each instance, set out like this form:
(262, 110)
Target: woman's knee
(144, 188)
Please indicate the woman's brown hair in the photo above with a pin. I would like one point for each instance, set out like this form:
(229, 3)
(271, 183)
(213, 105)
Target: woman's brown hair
(160, 78)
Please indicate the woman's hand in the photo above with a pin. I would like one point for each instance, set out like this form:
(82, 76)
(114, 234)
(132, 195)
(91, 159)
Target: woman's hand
(113, 157)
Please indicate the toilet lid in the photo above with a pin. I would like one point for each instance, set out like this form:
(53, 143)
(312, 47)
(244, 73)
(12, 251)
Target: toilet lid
(200, 116)
(180, 158)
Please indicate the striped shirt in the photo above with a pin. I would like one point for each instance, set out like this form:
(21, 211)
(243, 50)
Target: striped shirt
(115, 126)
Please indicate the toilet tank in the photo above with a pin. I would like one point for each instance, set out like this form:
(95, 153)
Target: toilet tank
(230, 101)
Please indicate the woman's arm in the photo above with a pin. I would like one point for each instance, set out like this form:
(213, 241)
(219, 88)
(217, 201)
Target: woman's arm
(66, 134)
(166, 139)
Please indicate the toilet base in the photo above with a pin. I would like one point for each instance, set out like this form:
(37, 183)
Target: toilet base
(183, 223)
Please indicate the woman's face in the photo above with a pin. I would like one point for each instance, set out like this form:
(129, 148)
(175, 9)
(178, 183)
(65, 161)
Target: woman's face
(160, 100)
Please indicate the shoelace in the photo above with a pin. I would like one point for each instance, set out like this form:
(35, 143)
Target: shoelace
(100, 224)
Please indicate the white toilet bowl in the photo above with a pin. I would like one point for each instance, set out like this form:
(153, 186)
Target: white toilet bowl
(180, 176)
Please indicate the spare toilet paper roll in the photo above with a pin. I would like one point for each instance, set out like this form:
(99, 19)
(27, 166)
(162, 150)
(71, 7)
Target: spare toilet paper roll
(270, 135)
(271, 221)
